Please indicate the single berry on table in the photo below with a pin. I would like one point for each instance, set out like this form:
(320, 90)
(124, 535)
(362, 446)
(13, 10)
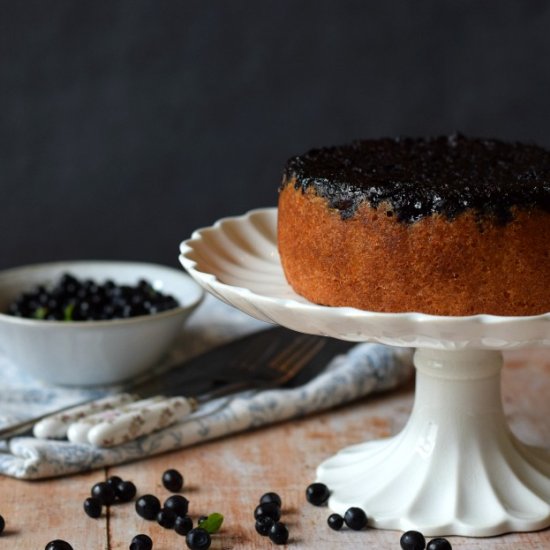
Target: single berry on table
(92, 507)
(178, 504)
(198, 539)
(172, 480)
(278, 533)
(439, 544)
(2, 524)
(335, 521)
(317, 494)
(148, 506)
(263, 525)
(183, 525)
(269, 509)
(412, 540)
(58, 544)
(355, 518)
(166, 518)
(271, 497)
(104, 493)
(125, 491)
(141, 542)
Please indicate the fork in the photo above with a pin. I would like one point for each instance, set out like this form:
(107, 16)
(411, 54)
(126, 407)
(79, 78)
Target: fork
(271, 358)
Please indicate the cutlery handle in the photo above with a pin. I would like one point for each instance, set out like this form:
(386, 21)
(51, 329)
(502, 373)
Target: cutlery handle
(129, 423)
(55, 426)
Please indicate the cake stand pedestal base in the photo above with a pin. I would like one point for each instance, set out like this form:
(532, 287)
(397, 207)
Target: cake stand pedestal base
(456, 468)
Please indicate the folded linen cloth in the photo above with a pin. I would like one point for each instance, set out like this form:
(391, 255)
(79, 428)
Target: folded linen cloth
(365, 369)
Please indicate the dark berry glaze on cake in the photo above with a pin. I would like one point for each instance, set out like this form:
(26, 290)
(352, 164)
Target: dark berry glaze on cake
(420, 177)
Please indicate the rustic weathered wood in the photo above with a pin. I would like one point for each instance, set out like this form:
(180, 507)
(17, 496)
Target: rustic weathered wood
(229, 476)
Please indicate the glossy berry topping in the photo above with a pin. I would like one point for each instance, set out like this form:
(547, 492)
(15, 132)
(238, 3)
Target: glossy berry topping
(125, 491)
(439, 544)
(92, 507)
(335, 521)
(141, 542)
(317, 494)
(278, 533)
(148, 506)
(178, 504)
(355, 518)
(412, 540)
(104, 493)
(183, 525)
(58, 544)
(172, 480)
(269, 509)
(271, 497)
(198, 539)
(263, 525)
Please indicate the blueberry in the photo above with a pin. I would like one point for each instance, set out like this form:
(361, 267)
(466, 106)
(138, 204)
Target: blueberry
(335, 521)
(92, 507)
(278, 533)
(113, 482)
(125, 491)
(439, 544)
(271, 497)
(2, 524)
(178, 504)
(355, 518)
(141, 542)
(269, 509)
(172, 480)
(104, 493)
(58, 544)
(183, 525)
(198, 539)
(148, 506)
(317, 494)
(412, 540)
(166, 518)
(263, 525)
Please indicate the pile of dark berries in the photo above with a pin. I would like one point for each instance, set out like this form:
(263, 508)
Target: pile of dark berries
(73, 299)
(267, 515)
(108, 492)
(414, 540)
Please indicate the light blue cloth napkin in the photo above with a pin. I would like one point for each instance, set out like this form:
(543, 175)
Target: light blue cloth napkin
(365, 369)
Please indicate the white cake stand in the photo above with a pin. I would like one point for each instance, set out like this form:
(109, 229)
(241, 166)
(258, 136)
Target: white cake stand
(456, 468)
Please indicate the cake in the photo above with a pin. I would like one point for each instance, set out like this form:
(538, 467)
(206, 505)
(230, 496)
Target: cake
(447, 226)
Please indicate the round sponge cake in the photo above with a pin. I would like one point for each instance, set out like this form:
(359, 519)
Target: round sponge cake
(445, 226)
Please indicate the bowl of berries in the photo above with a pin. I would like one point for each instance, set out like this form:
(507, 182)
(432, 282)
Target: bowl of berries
(92, 322)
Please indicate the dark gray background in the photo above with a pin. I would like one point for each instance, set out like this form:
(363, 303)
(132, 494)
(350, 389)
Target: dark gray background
(127, 124)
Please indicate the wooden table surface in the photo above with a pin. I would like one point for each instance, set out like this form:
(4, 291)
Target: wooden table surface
(229, 475)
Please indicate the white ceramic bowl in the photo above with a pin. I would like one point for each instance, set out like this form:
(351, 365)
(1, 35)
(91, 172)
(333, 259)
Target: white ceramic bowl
(93, 352)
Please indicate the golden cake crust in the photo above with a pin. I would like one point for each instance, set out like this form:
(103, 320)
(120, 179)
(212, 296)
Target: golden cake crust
(436, 265)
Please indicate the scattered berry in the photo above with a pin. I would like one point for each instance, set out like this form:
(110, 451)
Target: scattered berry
(166, 518)
(271, 497)
(183, 525)
(355, 518)
(412, 540)
(270, 509)
(104, 493)
(58, 544)
(198, 539)
(92, 507)
(439, 544)
(263, 525)
(2, 524)
(278, 533)
(125, 491)
(141, 542)
(178, 504)
(172, 480)
(335, 521)
(148, 506)
(317, 494)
